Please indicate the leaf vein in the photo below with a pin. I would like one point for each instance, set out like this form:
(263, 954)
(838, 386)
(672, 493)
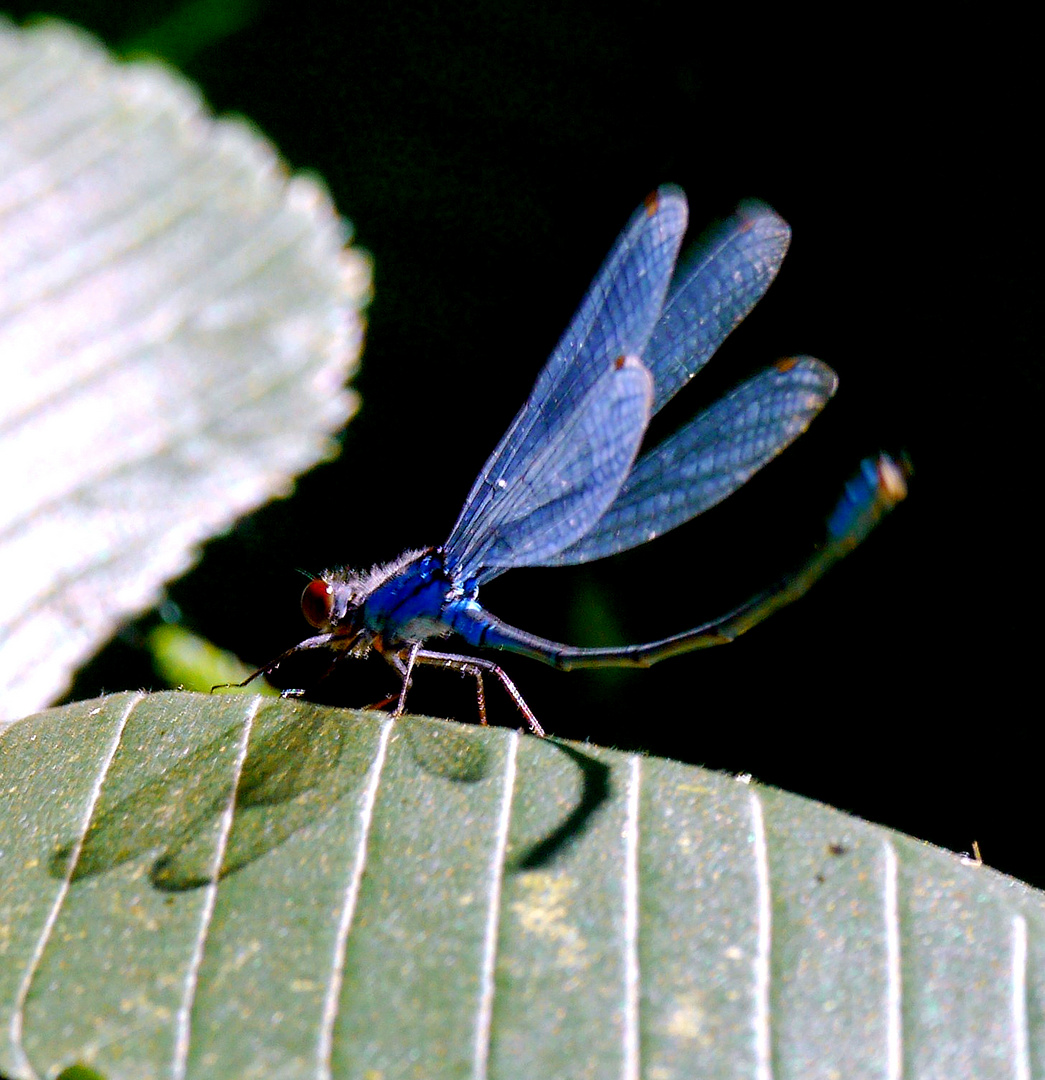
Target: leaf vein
(183, 1020)
(631, 1070)
(893, 979)
(1020, 1029)
(18, 1012)
(325, 1042)
(487, 987)
(763, 943)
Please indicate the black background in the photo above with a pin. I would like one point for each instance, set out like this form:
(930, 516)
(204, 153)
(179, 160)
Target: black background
(488, 155)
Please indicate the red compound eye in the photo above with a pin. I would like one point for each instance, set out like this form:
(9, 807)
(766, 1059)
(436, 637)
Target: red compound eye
(317, 603)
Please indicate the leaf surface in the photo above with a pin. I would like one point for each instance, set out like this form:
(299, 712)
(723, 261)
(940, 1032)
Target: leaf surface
(211, 886)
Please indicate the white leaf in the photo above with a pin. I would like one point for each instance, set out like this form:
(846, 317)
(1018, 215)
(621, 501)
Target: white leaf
(178, 317)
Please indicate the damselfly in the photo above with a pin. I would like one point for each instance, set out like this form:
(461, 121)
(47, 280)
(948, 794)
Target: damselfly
(564, 486)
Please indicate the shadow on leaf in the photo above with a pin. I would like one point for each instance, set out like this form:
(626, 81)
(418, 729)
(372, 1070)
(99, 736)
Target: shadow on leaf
(297, 766)
(594, 791)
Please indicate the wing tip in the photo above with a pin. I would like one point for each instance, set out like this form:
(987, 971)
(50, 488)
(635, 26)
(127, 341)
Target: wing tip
(826, 375)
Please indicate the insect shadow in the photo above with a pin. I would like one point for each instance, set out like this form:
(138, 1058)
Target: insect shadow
(595, 789)
(299, 765)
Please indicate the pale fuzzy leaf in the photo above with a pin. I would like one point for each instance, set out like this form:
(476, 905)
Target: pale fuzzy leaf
(178, 317)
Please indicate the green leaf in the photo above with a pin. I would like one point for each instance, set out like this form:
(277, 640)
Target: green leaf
(177, 320)
(188, 662)
(213, 886)
(196, 25)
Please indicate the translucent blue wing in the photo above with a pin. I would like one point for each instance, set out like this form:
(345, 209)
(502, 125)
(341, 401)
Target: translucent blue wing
(716, 286)
(714, 289)
(566, 486)
(708, 459)
(520, 479)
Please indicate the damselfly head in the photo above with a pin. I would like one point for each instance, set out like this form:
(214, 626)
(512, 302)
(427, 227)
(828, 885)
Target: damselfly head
(333, 600)
(323, 605)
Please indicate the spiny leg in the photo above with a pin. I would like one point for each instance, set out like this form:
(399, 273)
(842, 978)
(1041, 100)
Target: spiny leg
(334, 664)
(344, 645)
(466, 666)
(407, 671)
(475, 666)
(403, 669)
